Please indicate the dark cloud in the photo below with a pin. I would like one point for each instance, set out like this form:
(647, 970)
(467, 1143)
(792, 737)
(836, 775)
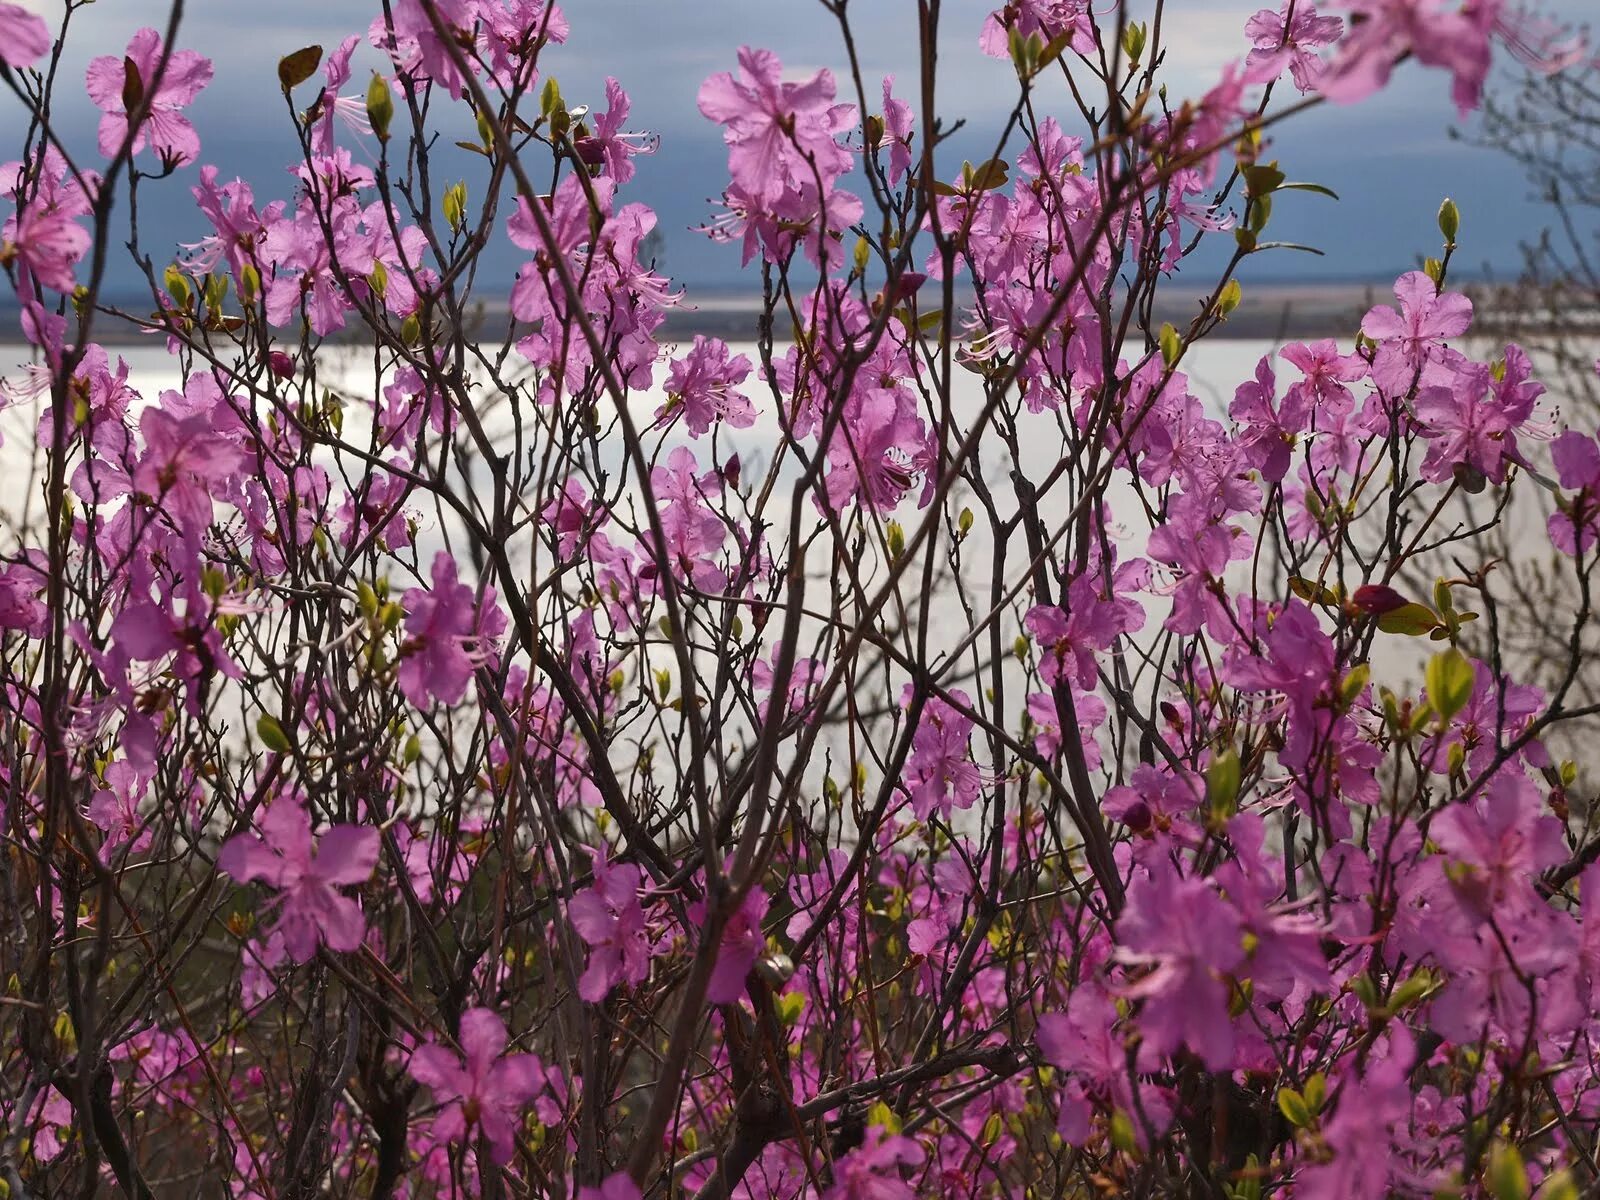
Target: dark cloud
(1390, 159)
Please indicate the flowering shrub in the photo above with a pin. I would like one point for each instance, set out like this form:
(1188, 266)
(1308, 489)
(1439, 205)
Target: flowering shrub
(928, 752)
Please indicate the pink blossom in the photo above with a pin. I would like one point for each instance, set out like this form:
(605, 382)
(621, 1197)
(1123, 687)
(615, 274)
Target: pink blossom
(617, 1186)
(306, 872)
(1188, 939)
(742, 942)
(608, 916)
(115, 82)
(608, 147)
(1575, 525)
(940, 774)
(484, 1088)
(44, 234)
(1280, 41)
(448, 636)
(23, 36)
(703, 382)
(873, 1171)
(777, 133)
(1415, 335)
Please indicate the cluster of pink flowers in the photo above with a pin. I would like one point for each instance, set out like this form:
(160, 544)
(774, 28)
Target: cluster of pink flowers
(476, 780)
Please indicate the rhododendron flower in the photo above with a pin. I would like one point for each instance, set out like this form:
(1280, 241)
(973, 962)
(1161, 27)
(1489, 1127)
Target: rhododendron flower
(703, 383)
(609, 918)
(618, 1186)
(184, 461)
(1188, 938)
(484, 1088)
(1358, 1133)
(43, 235)
(898, 124)
(115, 809)
(742, 942)
(1046, 19)
(306, 872)
(608, 147)
(1575, 525)
(1414, 335)
(23, 36)
(1268, 427)
(940, 773)
(448, 637)
(20, 606)
(114, 83)
(777, 133)
(1281, 40)
(872, 1171)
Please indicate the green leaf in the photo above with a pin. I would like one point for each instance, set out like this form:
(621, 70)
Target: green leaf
(1262, 180)
(1302, 186)
(1223, 776)
(272, 735)
(1311, 591)
(883, 1117)
(896, 538)
(1413, 620)
(1507, 1176)
(455, 205)
(1294, 1108)
(1053, 51)
(294, 69)
(1449, 678)
(1133, 40)
(1171, 345)
(1290, 246)
(989, 176)
(550, 97)
(1228, 299)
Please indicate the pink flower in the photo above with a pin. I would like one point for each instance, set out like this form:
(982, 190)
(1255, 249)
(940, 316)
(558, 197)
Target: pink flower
(306, 871)
(1388, 29)
(897, 130)
(880, 453)
(1414, 335)
(940, 773)
(1267, 428)
(1326, 373)
(448, 636)
(1358, 1133)
(1281, 41)
(703, 382)
(608, 147)
(185, 460)
(1467, 426)
(1189, 938)
(872, 1171)
(118, 84)
(777, 133)
(487, 1089)
(609, 918)
(741, 944)
(618, 1186)
(23, 36)
(115, 809)
(44, 234)
(1049, 19)
(20, 607)
(1575, 525)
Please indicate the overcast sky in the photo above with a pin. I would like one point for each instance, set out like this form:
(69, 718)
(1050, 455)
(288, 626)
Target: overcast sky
(1390, 159)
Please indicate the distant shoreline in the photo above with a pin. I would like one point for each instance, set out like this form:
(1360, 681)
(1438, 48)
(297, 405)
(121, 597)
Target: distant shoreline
(1268, 311)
